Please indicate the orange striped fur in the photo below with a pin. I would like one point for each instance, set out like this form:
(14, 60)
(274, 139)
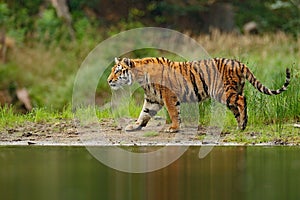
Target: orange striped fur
(168, 83)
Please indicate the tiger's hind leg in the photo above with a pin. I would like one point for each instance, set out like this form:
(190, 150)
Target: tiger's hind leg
(242, 107)
(238, 106)
(150, 108)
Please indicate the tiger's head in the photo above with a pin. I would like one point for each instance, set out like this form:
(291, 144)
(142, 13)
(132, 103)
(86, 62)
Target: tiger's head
(120, 73)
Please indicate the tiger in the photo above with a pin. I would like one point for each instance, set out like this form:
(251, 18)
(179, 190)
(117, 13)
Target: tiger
(170, 83)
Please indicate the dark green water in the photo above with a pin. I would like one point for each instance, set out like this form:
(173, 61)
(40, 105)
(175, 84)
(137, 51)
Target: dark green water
(226, 173)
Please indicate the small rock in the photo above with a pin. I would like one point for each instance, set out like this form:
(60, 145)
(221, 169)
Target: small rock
(158, 118)
(11, 130)
(31, 143)
(23, 96)
(250, 28)
(28, 134)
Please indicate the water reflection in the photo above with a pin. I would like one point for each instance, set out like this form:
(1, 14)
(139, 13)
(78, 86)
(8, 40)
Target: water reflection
(226, 173)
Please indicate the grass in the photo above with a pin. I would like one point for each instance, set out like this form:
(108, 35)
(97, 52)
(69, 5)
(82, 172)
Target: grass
(271, 133)
(257, 134)
(48, 73)
(9, 118)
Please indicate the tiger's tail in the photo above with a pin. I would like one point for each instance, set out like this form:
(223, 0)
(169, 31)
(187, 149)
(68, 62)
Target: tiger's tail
(263, 89)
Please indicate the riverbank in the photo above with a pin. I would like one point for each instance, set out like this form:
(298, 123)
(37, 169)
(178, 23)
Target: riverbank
(108, 132)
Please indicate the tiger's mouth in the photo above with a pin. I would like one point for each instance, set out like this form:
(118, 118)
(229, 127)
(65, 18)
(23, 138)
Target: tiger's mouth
(114, 86)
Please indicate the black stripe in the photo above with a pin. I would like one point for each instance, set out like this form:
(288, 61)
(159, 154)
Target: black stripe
(259, 86)
(266, 91)
(228, 88)
(151, 101)
(154, 90)
(158, 60)
(288, 76)
(286, 84)
(148, 87)
(205, 87)
(195, 86)
(288, 73)
(150, 112)
(180, 69)
(242, 68)
(160, 90)
(184, 68)
(236, 100)
(237, 71)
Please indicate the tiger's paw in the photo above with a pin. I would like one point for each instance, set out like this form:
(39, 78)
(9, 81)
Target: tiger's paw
(133, 127)
(171, 129)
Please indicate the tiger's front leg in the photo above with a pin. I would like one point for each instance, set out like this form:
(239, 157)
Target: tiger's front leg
(150, 108)
(173, 106)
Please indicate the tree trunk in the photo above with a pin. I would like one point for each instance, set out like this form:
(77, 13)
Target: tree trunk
(2, 46)
(62, 11)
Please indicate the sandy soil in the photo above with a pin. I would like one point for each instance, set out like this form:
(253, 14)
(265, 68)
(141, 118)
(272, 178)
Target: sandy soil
(106, 132)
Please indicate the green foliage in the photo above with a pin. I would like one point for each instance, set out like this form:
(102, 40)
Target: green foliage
(6, 19)
(272, 15)
(48, 26)
(19, 18)
(32, 6)
(132, 21)
(179, 9)
(81, 26)
(286, 16)
(4, 12)
(25, 20)
(77, 5)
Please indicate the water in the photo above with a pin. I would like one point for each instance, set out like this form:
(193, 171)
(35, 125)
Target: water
(226, 173)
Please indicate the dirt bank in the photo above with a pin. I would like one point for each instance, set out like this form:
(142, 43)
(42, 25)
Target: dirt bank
(110, 132)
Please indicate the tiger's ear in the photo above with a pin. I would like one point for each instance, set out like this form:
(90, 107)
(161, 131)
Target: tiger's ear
(117, 60)
(127, 61)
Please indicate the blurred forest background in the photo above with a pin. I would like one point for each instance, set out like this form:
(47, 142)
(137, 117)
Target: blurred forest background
(43, 42)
